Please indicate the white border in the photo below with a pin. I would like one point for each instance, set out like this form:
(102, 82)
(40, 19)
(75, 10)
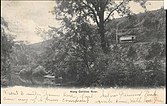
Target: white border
(165, 4)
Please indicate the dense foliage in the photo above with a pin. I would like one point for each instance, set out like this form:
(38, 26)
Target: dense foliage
(6, 50)
(94, 11)
(77, 57)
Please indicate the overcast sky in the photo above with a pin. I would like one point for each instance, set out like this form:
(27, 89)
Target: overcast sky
(25, 16)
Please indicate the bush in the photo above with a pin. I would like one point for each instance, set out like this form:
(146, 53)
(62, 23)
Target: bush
(128, 71)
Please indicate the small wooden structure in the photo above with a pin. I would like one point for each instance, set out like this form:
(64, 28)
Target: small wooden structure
(130, 38)
(126, 35)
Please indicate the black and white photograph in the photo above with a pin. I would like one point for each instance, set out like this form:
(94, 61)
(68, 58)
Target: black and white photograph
(119, 44)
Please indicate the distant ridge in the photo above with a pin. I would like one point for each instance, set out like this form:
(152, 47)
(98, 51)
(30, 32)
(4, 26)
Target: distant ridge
(40, 46)
(159, 14)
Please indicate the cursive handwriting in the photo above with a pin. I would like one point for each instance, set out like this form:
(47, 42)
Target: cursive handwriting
(99, 96)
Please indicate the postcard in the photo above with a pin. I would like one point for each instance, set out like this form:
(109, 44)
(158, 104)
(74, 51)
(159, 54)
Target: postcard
(83, 52)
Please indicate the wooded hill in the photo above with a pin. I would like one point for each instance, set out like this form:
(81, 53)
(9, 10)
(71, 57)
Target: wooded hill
(150, 27)
(147, 27)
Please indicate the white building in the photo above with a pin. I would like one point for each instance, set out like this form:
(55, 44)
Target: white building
(129, 38)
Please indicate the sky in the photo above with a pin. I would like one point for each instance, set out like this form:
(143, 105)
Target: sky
(24, 17)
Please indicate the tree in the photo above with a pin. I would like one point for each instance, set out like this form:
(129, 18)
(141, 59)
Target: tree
(152, 26)
(71, 54)
(93, 11)
(21, 54)
(6, 49)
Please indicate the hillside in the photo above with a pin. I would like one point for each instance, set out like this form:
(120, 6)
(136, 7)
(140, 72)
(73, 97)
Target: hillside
(145, 33)
(39, 47)
(147, 27)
